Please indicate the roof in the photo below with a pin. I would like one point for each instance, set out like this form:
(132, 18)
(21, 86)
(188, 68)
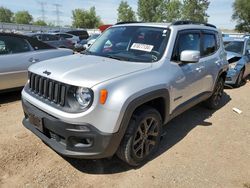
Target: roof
(14, 35)
(32, 34)
(149, 24)
(178, 24)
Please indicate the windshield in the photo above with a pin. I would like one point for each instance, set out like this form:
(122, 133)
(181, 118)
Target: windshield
(234, 46)
(131, 43)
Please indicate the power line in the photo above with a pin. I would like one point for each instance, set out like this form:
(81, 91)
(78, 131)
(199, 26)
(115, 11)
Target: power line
(58, 12)
(42, 4)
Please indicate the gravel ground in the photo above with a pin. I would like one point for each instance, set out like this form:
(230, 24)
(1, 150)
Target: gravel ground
(200, 148)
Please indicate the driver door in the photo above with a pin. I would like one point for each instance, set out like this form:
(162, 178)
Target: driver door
(188, 82)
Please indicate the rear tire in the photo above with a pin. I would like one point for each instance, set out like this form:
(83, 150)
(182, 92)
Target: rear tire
(214, 101)
(142, 137)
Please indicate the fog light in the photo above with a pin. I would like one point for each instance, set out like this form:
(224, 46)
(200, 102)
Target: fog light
(81, 142)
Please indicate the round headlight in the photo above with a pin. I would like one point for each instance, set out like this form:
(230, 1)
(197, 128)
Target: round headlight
(84, 97)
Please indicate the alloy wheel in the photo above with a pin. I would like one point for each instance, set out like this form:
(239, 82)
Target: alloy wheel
(146, 137)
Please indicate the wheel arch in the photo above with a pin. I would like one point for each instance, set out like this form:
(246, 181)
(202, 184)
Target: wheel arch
(158, 99)
(222, 74)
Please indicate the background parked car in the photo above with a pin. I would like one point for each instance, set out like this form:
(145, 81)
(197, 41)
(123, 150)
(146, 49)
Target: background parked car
(17, 53)
(238, 56)
(52, 40)
(85, 43)
(74, 39)
(82, 34)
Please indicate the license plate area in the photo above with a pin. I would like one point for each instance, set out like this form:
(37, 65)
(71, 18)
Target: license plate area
(36, 122)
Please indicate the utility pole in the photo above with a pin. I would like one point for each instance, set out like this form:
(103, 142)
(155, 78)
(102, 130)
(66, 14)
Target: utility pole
(58, 12)
(42, 4)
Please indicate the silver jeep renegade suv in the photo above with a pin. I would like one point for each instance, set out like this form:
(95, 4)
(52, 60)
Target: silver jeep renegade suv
(116, 96)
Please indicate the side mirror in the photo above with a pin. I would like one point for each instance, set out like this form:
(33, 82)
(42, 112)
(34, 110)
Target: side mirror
(248, 52)
(190, 56)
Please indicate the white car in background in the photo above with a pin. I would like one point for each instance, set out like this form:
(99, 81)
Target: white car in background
(17, 53)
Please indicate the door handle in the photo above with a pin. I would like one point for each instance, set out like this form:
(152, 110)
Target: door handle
(199, 69)
(33, 60)
(218, 63)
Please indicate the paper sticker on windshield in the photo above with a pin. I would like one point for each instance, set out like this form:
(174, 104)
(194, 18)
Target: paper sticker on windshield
(142, 47)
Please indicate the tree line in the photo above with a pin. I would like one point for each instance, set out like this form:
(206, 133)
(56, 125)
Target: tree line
(20, 17)
(147, 11)
(165, 10)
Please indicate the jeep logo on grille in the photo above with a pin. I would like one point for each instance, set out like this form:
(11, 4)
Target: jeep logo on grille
(47, 73)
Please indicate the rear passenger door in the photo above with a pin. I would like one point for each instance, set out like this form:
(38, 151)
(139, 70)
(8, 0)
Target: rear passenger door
(189, 81)
(210, 58)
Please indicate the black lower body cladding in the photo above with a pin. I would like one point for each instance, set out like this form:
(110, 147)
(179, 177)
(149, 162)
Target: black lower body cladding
(76, 141)
(83, 141)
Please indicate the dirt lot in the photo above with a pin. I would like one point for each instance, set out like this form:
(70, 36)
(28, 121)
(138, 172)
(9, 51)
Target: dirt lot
(200, 148)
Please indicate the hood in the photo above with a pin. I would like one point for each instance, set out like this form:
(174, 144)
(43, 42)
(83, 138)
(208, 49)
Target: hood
(86, 70)
(233, 57)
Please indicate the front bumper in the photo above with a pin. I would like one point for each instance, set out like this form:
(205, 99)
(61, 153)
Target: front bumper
(76, 141)
(232, 76)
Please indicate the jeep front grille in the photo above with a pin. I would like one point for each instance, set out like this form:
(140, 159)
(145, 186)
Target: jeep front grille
(48, 89)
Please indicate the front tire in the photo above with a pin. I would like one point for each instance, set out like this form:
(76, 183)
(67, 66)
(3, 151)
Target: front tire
(214, 101)
(142, 137)
(240, 78)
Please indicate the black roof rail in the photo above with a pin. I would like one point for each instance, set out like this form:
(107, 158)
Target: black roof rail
(187, 22)
(119, 23)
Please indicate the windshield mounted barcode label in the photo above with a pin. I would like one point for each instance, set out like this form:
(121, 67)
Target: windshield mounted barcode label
(142, 47)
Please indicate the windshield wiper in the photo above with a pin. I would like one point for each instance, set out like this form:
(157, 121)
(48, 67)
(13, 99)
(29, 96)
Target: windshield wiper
(118, 57)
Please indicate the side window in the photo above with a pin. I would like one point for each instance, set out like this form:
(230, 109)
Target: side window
(12, 45)
(45, 37)
(3, 48)
(38, 37)
(248, 45)
(38, 45)
(186, 41)
(209, 44)
(51, 37)
(65, 36)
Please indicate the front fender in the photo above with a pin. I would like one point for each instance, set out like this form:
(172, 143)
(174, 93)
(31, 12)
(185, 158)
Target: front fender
(132, 103)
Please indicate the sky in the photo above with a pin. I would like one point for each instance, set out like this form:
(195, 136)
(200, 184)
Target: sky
(220, 11)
